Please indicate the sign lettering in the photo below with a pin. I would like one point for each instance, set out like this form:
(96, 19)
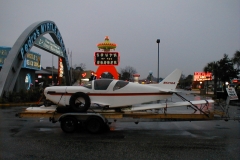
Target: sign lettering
(232, 93)
(106, 58)
(33, 61)
(40, 30)
(48, 45)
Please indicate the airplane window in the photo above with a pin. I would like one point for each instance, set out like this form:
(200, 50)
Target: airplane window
(102, 84)
(88, 85)
(119, 85)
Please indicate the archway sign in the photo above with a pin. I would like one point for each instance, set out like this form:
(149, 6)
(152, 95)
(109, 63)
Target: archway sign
(106, 59)
(13, 62)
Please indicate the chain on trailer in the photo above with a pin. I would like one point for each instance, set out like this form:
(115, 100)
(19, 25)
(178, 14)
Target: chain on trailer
(194, 107)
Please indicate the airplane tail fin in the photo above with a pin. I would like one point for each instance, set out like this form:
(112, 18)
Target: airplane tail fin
(171, 81)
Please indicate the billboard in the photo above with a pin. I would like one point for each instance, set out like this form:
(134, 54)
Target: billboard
(32, 60)
(202, 76)
(3, 54)
(49, 46)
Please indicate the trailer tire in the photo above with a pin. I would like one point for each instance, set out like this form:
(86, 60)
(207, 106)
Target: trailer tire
(94, 124)
(79, 102)
(69, 124)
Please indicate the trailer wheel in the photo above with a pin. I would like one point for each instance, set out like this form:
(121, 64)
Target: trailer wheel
(79, 102)
(69, 124)
(94, 124)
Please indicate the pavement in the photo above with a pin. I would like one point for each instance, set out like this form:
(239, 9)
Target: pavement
(37, 138)
(20, 104)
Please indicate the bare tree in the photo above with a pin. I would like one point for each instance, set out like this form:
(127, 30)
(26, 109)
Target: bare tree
(76, 70)
(81, 66)
(127, 73)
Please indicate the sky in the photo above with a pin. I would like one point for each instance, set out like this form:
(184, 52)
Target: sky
(192, 33)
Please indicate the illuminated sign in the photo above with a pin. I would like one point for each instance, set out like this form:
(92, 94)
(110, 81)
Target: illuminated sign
(49, 46)
(236, 81)
(202, 76)
(3, 54)
(32, 61)
(60, 68)
(84, 75)
(28, 81)
(106, 58)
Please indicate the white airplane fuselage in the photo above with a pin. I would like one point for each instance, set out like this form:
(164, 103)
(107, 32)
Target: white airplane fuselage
(131, 94)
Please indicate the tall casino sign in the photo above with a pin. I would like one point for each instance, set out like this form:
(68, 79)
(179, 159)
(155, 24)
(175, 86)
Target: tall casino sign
(107, 58)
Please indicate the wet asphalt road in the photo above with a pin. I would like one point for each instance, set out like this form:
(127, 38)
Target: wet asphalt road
(34, 138)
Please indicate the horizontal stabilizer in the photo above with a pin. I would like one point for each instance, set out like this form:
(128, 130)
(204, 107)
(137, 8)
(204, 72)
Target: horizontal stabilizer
(170, 104)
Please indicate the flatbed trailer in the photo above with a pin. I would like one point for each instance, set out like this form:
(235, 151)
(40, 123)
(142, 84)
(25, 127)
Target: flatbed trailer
(96, 120)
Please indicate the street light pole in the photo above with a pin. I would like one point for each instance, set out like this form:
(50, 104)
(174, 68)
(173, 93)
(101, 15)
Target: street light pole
(158, 41)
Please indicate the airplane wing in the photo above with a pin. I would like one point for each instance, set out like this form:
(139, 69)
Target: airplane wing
(170, 90)
(170, 104)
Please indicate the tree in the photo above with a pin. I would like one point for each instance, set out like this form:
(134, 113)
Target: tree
(222, 70)
(189, 80)
(107, 75)
(127, 73)
(236, 59)
(81, 66)
(226, 69)
(213, 68)
(76, 70)
(185, 81)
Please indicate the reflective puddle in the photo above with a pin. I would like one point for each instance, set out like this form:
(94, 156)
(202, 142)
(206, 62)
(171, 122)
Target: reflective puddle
(45, 129)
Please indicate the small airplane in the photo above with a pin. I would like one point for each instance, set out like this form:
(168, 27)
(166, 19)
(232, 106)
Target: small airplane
(112, 93)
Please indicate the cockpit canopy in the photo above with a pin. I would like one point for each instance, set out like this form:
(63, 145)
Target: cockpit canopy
(103, 84)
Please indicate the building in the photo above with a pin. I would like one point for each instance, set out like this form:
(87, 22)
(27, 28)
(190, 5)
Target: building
(48, 76)
(26, 77)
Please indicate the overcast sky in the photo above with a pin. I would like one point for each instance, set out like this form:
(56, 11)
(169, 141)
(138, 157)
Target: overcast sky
(192, 32)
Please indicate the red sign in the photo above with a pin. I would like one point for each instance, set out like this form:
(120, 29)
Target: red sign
(202, 76)
(60, 70)
(236, 81)
(84, 74)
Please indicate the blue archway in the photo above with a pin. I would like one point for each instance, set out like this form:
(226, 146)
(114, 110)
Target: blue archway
(24, 43)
